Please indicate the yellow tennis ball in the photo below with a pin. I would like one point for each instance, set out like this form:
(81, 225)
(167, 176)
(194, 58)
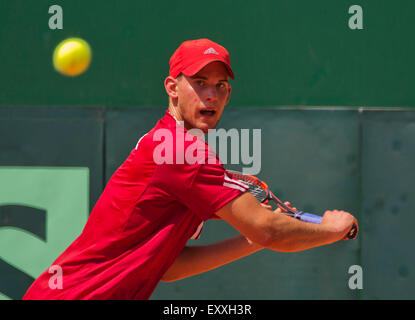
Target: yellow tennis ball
(72, 57)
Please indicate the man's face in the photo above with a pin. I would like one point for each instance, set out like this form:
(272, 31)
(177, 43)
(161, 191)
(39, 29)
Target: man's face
(202, 97)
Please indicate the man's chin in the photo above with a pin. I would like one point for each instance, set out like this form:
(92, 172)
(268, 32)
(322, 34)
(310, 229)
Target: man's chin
(205, 127)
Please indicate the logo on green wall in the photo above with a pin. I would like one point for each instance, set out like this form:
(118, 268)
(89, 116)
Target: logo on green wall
(42, 211)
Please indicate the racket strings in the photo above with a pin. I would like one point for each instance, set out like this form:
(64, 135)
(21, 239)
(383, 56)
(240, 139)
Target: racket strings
(258, 193)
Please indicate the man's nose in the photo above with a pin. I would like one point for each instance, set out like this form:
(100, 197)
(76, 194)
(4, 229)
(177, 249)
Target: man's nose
(211, 94)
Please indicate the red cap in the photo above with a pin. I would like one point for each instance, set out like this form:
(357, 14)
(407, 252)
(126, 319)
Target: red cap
(193, 55)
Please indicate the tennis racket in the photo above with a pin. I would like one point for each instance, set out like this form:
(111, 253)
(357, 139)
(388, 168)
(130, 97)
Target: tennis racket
(260, 190)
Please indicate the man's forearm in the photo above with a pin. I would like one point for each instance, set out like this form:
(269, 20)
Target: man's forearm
(198, 259)
(290, 235)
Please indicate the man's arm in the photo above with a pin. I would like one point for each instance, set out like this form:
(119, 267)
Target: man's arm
(265, 229)
(280, 232)
(198, 259)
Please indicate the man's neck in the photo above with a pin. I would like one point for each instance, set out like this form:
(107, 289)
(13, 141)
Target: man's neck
(181, 123)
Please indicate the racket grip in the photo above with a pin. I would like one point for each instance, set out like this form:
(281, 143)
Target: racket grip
(309, 217)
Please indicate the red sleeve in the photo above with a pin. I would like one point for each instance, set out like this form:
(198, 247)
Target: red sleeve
(203, 188)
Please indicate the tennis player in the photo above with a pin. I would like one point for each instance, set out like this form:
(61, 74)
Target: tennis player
(138, 231)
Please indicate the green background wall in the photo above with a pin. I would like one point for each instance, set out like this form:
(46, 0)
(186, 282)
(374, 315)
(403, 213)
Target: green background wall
(283, 52)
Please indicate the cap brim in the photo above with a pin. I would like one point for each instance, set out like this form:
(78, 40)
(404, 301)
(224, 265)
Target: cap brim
(192, 70)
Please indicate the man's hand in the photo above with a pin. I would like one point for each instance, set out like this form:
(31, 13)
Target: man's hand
(266, 206)
(339, 222)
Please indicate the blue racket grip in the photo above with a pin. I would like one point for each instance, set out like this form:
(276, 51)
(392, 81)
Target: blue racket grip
(309, 217)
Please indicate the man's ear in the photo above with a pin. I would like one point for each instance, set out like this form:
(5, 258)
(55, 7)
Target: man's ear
(170, 84)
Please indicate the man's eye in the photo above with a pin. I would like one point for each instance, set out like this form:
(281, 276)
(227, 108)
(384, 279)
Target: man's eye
(200, 83)
(221, 86)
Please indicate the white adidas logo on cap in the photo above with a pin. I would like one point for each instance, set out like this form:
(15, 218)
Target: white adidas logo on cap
(210, 50)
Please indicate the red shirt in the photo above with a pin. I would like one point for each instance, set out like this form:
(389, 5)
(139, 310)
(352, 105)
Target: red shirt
(143, 219)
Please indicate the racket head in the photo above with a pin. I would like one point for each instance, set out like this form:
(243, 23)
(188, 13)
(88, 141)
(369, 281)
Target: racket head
(258, 188)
